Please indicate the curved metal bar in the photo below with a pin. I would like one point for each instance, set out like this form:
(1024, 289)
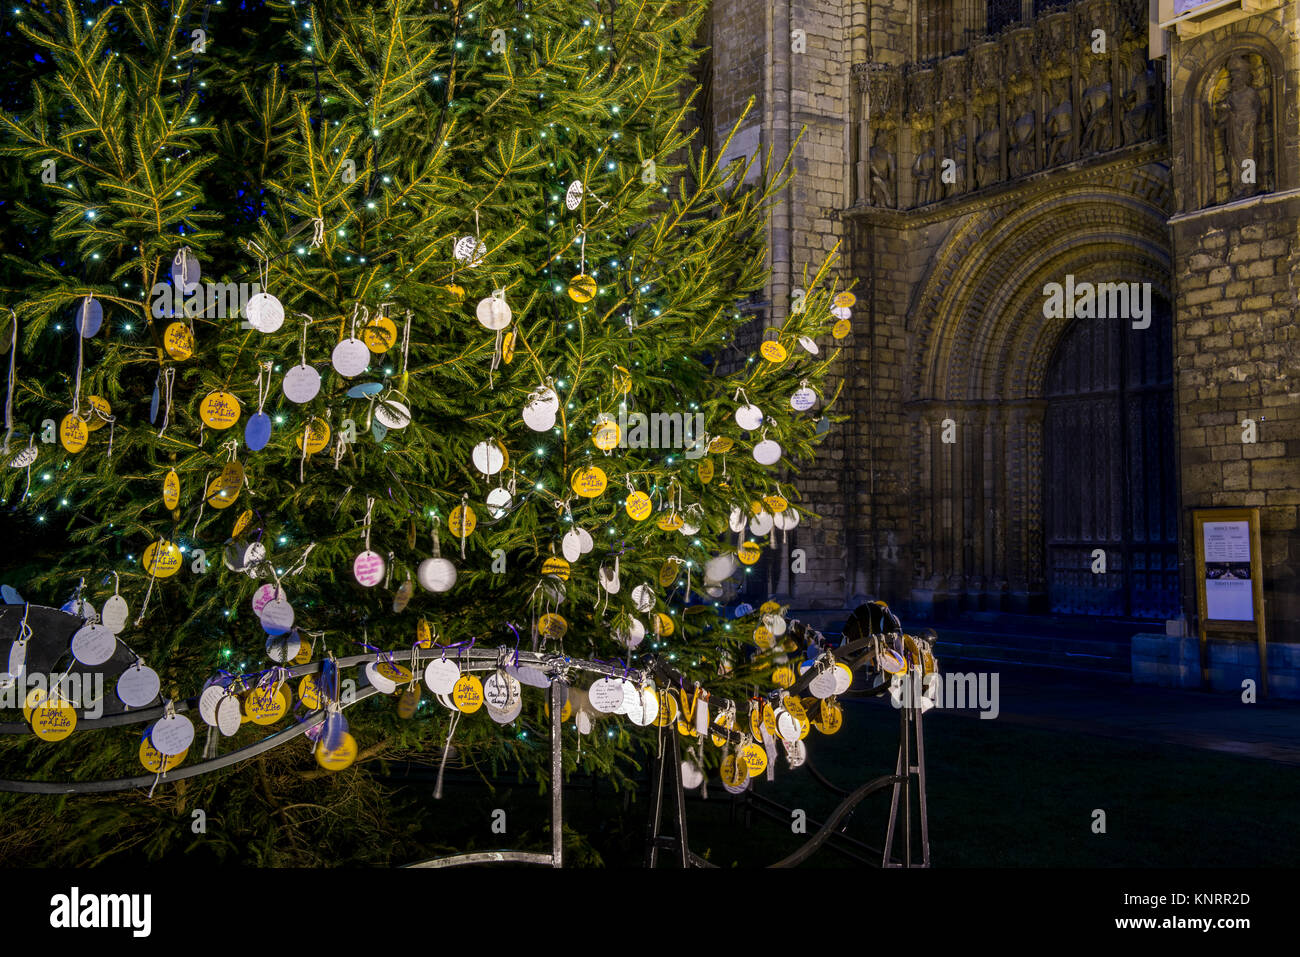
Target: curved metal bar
(487, 857)
(832, 822)
(147, 780)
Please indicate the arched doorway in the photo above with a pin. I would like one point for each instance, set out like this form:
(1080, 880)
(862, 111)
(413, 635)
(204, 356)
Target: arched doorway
(1109, 481)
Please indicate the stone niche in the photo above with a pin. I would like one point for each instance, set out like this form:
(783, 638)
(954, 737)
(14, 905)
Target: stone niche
(1234, 138)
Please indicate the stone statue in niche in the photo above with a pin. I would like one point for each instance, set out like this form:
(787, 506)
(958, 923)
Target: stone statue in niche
(1020, 62)
(956, 151)
(953, 78)
(923, 170)
(882, 171)
(1060, 124)
(1237, 114)
(1098, 128)
(1139, 103)
(988, 149)
(1054, 37)
(1020, 157)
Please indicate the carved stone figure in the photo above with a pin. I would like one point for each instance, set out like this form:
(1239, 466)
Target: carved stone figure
(1019, 54)
(882, 172)
(1237, 115)
(953, 78)
(923, 170)
(1060, 125)
(1021, 146)
(1098, 127)
(956, 151)
(1054, 35)
(988, 149)
(920, 91)
(1140, 107)
(985, 70)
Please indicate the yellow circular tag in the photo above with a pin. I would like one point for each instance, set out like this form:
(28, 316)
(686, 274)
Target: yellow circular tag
(317, 431)
(241, 523)
(773, 351)
(340, 757)
(379, 335)
(53, 720)
(705, 470)
(795, 707)
(735, 770)
(154, 761)
(783, 676)
(178, 341)
(755, 757)
(582, 288)
(100, 410)
(266, 705)
(722, 721)
(721, 445)
(303, 656)
(670, 521)
(589, 482)
(666, 624)
(423, 634)
(557, 567)
(171, 489)
(508, 347)
(769, 719)
(769, 607)
(830, 719)
(755, 507)
(841, 328)
(467, 694)
(462, 521)
(225, 488)
(309, 693)
(845, 300)
(763, 637)
(74, 433)
(161, 559)
(34, 697)
(668, 573)
(667, 709)
(220, 410)
(756, 721)
(565, 712)
(394, 671)
(456, 292)
(775, 504)
(686, 728)
(606, 434)
(552, 626)
(622, 380)
(749, 552)
(638, 506)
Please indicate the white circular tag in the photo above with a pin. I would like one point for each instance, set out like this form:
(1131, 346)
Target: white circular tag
(737, 519)
(227, 715)
(767, 452)
(803, 399)
(138, 686)
(692, 776)
(382, 683)
(786, 520)
(528, 675)
(749, 417)
(538, 420)
(501, 691)
(643, 597)
(632, 635)
(795, 753)
(823, 686)
(606, 695)
(493, 313)
(276, 616)
(507, 714)
(441, 676)
(254, 556)
(721, 568)
(208, 701)
(585, 540)
(24, 458)
(115, 613)
(283, 649)
(436, 574)
(368, 568)
(264, 596)
(809, 345)
(843, 679)
(841, 312)
(350, 358)
(609, 580)
(173, 734)
(583, 721)
(499, 501)
(469, 250)
(264, 312)
(775, 624)
(571, 546)
(392, 415)
(761, 523)
(787, 727)
(301, 384)
(92, 645)
(487, 458)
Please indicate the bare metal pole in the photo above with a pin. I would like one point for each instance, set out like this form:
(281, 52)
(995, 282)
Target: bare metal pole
(557, 774)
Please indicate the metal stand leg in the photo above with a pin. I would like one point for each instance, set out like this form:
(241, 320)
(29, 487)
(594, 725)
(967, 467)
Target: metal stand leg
(904, 768)
(681, 803)
(667, 773)
(900, 768)
(557, 775)
(920, 787)
(656, 810)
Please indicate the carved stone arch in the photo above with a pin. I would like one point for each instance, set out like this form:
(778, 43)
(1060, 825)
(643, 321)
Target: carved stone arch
(1202, 61)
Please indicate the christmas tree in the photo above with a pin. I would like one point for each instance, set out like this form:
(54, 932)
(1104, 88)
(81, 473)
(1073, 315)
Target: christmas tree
(361, 326)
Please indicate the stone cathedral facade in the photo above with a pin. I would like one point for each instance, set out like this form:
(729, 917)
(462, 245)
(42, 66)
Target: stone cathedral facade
(1074, 238)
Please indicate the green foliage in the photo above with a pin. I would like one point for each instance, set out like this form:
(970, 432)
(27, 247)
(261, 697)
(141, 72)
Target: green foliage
(245, 155)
